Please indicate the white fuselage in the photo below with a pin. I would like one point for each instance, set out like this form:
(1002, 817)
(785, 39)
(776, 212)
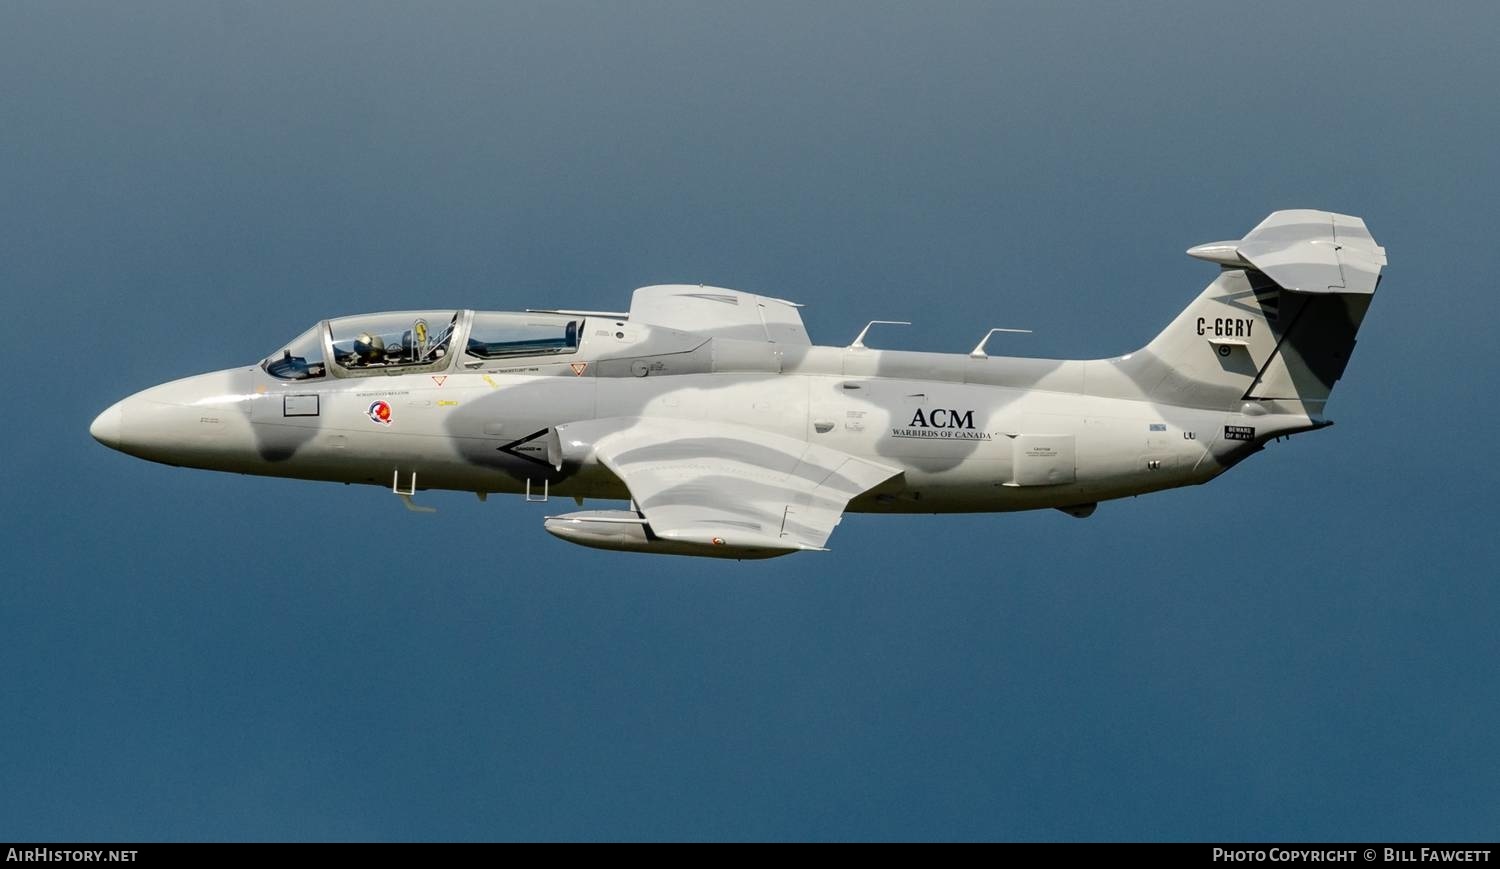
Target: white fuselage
(961, 446)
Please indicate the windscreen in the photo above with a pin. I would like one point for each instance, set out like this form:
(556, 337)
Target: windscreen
(301, 359)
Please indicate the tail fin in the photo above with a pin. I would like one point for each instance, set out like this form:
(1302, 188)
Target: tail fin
(1278, 324)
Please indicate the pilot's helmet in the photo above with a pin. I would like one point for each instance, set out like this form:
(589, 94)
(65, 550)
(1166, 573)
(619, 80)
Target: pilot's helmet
(369, 348)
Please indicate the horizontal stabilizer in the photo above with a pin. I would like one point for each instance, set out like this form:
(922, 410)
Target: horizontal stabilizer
(1305, 251)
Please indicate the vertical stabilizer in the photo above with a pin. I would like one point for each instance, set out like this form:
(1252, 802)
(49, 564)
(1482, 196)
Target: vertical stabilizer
(1277, 324)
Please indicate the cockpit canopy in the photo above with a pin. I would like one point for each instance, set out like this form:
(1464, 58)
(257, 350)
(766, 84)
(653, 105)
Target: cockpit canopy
(400, 340)
(417, 341)
(495, 336)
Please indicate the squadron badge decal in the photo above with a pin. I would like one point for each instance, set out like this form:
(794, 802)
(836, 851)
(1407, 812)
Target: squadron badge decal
(380, 411)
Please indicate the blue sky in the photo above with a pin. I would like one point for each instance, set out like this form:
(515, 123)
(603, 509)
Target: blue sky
(1304, 649)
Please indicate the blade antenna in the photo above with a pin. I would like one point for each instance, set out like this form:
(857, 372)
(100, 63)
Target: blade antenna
(978, 351)
(859, 343)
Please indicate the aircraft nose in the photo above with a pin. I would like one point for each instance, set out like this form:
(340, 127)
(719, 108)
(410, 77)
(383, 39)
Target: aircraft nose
(107, 426)
(199, 421)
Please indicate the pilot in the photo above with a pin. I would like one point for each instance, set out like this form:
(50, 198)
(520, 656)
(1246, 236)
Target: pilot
(369, 349)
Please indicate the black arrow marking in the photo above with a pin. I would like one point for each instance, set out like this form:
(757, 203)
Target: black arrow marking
(510, 449)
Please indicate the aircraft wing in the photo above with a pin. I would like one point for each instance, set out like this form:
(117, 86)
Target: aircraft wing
(718, 312)
(718, 484)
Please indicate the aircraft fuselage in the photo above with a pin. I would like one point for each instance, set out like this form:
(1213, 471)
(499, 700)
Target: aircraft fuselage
(961, 447)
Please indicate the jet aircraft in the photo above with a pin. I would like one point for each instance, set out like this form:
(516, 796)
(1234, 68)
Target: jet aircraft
(730, 434)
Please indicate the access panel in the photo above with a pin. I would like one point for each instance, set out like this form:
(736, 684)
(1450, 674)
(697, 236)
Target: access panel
(1043, 460)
